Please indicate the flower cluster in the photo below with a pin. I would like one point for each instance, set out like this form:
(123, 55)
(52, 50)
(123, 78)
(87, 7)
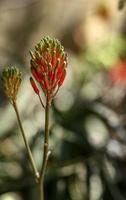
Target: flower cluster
(11, 78)
(48, 66)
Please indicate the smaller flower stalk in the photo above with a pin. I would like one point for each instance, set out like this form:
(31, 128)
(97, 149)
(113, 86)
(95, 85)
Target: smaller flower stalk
(12, 78)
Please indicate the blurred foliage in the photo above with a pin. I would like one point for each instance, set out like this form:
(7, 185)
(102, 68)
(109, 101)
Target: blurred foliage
(88, 117)
(106, 54)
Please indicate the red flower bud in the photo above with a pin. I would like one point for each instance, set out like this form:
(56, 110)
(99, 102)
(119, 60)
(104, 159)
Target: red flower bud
(62, 78)
(34, 86)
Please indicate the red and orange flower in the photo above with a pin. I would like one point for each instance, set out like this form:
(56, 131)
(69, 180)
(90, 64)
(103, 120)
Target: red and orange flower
(48, 66)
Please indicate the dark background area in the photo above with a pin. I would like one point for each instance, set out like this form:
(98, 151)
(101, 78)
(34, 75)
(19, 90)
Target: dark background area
(88, 116)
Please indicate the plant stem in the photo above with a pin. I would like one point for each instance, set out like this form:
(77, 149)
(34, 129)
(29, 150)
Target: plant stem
(45, 152)
(36, 173)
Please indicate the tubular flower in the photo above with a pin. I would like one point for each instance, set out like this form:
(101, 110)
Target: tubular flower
(36, 90)
(11, 78)
(48, 66)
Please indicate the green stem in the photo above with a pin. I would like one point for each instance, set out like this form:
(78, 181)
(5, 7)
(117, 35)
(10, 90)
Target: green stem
(45, 152)
(36, 173)
(40, 191)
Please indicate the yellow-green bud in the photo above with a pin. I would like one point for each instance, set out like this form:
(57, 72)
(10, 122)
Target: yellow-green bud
(11, 78)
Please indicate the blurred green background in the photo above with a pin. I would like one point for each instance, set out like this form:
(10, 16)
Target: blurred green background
(88, 116)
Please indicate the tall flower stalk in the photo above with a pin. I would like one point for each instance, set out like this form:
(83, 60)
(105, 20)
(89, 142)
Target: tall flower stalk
(48, 67)
(45, 152)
